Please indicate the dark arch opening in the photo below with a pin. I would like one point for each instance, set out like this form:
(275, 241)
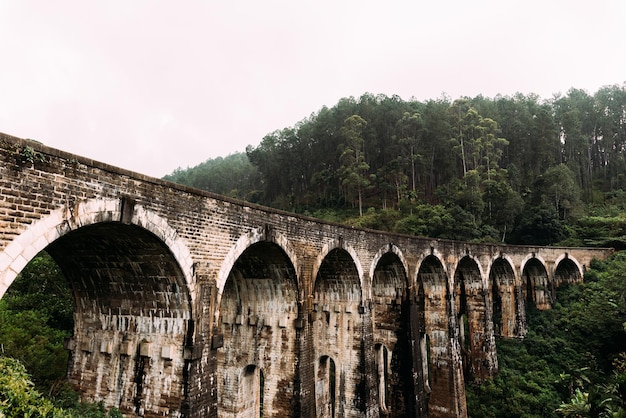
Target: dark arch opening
(326, 388)
(391, 312)
(338, 328)
(502, 282)
(537, 289)
(471, 304)
(437, 307)
(251, 392)
(258, 311)
(567, 272)
(132, 317)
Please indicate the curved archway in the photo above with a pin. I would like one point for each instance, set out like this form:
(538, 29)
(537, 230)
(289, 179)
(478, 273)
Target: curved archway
(432, 281)
(349, 253)
(132, 286)
(386, 252)
(88, 212)
(502, 290)
(258, 309)
(567, 271)
(131, 318)
(537, 289)
(243, 243)
(475, 330)
(338, 327)
(392, 331)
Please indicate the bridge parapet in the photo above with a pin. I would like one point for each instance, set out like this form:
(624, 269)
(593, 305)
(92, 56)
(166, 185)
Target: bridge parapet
(194, 304)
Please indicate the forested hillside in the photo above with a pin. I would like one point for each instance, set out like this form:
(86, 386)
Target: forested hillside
(516, 169)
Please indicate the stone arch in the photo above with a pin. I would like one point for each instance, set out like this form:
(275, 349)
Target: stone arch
(258, 311)
(474, 320)
(503, 292)
(243, 243)
(391, 326)
(61, 221)
(337, 327)
(390, 249)
(435, 307)
(334, 245)
(567, 270)
(132, 280)
(536, 287)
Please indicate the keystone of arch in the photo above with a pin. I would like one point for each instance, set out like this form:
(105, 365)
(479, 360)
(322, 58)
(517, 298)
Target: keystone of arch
(59, 222)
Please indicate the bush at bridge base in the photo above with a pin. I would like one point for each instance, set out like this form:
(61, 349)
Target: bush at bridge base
(19, 398)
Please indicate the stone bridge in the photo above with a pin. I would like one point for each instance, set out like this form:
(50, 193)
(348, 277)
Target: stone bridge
(192, 304)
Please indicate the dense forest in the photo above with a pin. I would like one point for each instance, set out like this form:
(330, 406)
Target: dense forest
(509, 169)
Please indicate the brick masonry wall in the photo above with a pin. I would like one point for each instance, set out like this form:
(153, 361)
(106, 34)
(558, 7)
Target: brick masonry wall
(156, 268)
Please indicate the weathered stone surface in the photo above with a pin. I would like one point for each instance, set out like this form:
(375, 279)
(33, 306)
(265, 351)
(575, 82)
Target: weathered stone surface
(191, 304)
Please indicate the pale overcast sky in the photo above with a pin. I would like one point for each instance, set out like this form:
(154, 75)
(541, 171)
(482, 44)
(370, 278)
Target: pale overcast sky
(153, 85)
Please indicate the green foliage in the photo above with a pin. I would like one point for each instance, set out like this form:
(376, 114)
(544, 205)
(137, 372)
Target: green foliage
(426, 220)
(232, 176)
(18, 397)
(509, 169)
(36, 317)
(27, 336)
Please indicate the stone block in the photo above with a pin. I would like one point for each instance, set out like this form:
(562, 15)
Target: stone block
(145, 349)
(106, 346)
(126, 348)
(167, 352)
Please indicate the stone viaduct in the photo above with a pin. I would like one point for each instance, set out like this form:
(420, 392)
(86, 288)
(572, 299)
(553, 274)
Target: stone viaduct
(189, 304)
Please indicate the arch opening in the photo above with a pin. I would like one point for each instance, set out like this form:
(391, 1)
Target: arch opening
(251, 391)
(36, 317)
(131, 317)
(433, 281)
(567, 272)
(502, 282)
(391, 313)
(471, 319)
(338, 327)
(538, 290)
(258, 310)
